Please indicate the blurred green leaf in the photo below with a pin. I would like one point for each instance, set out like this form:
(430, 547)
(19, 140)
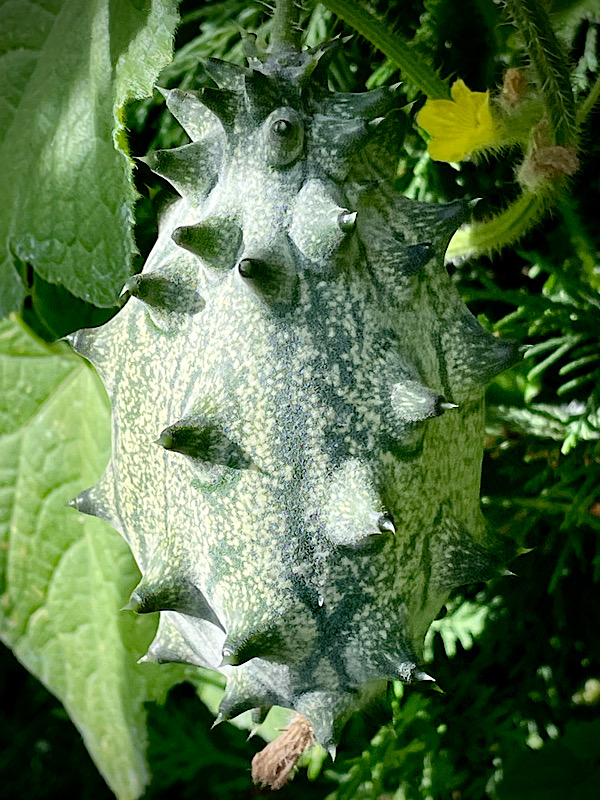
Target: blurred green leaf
(461, 624)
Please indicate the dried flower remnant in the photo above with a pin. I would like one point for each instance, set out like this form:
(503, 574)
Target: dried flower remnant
(514, 88)
(546, 163)
(275, 763)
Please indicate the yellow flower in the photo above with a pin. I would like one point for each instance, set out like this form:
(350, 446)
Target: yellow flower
(459, 126)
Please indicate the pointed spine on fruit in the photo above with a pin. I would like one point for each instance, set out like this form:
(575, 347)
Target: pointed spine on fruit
(225, 74)
(477, 356)
(164, 588)
(319, 223)
(273, 280)
(250, 48)
(184, 640)
(386, 524)
(215, 240)
(444, 219)
(336, 141)
(500, 356)
(98, 501)
(239, 697)
(413, 402)
(198, 438)
(327, 713)
(164, 293)
(258, 716)
(421, 675)
(86, 503)
(362, 105)
(191, 169)
(82, 341)
(351, 516)
(321, 57)
(194, 117)
(410, 672)
(457, 551)
(223, 103)
(347, 220)
(242, 647)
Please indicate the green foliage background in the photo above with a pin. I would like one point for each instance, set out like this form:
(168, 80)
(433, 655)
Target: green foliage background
(518, 659)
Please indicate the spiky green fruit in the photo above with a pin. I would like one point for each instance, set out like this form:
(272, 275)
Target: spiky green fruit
(297, 394)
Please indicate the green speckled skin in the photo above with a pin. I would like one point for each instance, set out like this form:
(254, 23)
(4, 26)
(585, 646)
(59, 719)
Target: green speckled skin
(289, 466)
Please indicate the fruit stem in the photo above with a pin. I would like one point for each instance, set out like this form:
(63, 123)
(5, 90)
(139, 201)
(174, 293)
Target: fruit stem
(285, 32)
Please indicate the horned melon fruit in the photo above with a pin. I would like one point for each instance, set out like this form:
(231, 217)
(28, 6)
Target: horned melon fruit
(297, 398)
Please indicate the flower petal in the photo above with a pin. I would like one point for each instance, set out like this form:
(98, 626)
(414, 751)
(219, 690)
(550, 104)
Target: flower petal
(458, 126)
(447, 150)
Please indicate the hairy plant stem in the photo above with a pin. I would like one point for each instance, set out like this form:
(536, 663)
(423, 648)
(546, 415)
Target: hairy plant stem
(586, 106)
(284, 31)
(412, 64)
(505, 228)
(532, 22)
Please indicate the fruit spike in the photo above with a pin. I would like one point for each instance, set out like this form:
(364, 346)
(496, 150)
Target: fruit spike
(409, 672)
(191, 169)
(321, 56)
(366, 105)
(385, 524)
(226, 75)
(242, 694)
(261, 644)
(319, 496)
(197, 438)
(258, 716)
(196, 119)
(335, 141)
(163, 588)
(215, 241)
(185, 640)
(327, 712)
(85, 503)
(98, 501)
(465, 560)
(273, 282)
(81, 341)
(165, 293)
(319, 223)
(477, 356)
(413, 402)
(222, 102)
(347, 220)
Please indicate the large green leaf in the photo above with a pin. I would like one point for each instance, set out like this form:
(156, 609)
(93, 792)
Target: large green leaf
(66, 69)
(64, 576)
